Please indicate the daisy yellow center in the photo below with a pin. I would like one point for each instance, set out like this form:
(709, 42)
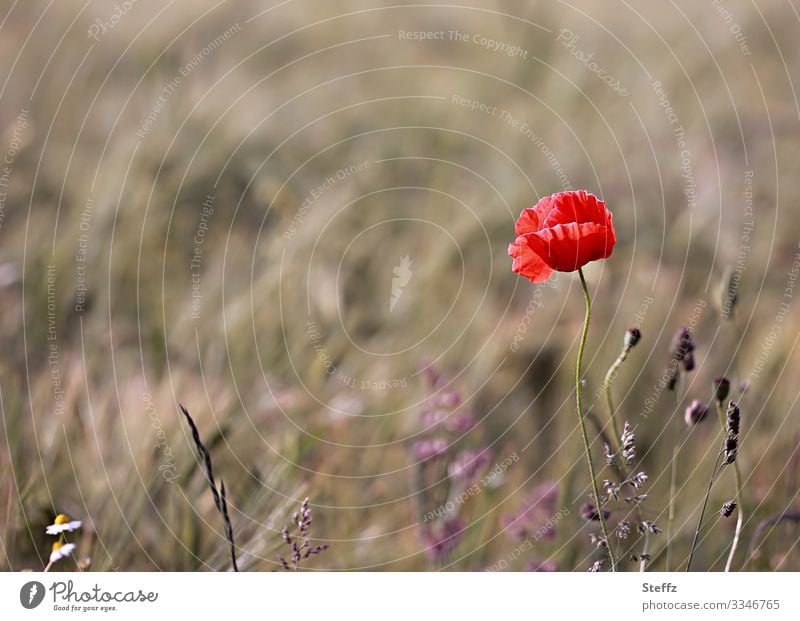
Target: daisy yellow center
(61, 519)
(57, 546)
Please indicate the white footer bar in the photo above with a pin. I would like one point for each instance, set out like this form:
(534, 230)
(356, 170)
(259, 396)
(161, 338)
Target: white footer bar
(406, 596)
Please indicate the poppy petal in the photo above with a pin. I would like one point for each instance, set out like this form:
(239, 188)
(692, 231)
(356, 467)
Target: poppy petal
(545, 207)
(527, 263)
(563, 231)
(567, 247)
(528, 222)
(577, 207)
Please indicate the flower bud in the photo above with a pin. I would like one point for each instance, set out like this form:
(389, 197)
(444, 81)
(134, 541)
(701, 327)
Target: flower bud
(695, 412)
(682, 343)
(632, 337)
(721, 389)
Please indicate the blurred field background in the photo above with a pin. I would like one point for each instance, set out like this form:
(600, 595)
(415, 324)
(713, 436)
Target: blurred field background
(229, 242)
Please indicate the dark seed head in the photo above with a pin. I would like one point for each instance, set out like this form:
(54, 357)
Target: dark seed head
(732, 419)
(728, 508)
(731, 448)
(721, 389)
(688, 362)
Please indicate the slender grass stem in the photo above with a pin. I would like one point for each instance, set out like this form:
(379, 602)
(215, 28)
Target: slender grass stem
(610, 375)
(739, 505)
(673, 484)
(582, 422)
(697, 530)
(645, 550)
(740, 517)
(220, 500)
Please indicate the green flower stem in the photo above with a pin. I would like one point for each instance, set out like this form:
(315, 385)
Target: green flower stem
(582, 422)
(739, 506)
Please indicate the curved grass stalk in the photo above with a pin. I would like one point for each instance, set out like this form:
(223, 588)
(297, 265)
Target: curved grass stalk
(739, 505)
(610, 375)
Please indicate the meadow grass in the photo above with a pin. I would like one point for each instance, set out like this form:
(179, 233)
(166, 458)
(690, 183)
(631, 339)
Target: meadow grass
(238, 252)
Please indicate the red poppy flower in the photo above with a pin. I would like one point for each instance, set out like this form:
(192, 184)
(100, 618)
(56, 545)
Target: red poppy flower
(562, 232)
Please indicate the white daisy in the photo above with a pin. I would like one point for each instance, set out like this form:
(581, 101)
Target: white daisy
(61, 550)
(63, 524)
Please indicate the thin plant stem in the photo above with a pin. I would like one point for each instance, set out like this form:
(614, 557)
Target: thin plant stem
(673, 484)
(610, 375)
(711, 480)
(739, 506)
(645, 550)
(582, 422)
(740, 519)
(220, 501)
(619, 469)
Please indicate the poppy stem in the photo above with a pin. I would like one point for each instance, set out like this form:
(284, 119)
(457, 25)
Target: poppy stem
(582, 422)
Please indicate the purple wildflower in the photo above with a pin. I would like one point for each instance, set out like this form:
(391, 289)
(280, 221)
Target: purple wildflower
(469, 463)
(535, 513)
(443, 537)
(430, 449)
(459, 422)
(539, 565)
(696, 412)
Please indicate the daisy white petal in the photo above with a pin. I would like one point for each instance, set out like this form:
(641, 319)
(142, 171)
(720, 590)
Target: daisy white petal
(63, 524)
(61, 550)
(57, 529)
